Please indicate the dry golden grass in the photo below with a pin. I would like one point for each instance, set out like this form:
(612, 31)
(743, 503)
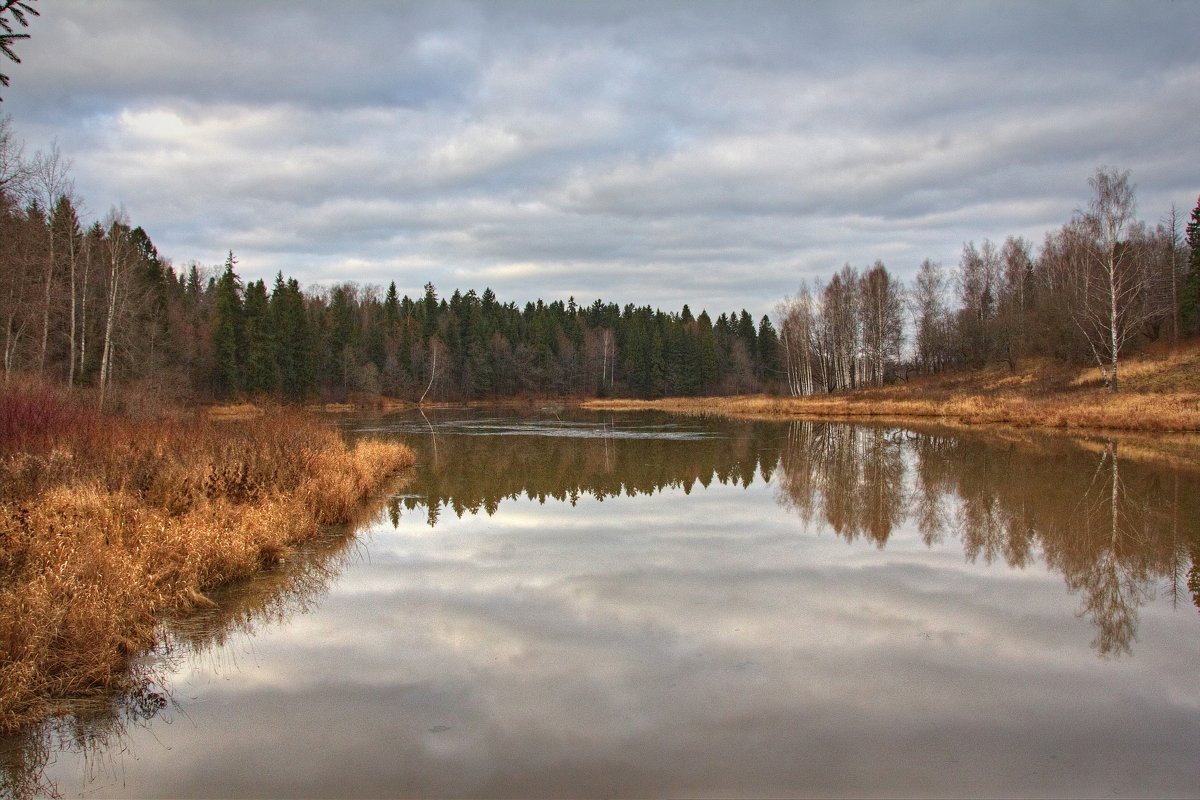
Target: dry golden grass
(230, 411)
(1160, 393)
(106, 523)
(1093, 410)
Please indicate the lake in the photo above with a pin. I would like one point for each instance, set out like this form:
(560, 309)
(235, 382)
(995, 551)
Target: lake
(570, 604)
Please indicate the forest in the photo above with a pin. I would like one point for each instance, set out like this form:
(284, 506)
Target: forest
(94, 303)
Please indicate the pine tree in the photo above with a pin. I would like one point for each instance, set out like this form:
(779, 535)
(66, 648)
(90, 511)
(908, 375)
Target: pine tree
(228, 335)
(768, 351)
(709, 365)
(746, 332)
(260, 374)
(391, 307)
(294, 337)
(1189, 301)
(429, 311)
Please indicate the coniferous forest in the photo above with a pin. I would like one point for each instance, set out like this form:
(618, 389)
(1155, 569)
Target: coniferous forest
(96, 304)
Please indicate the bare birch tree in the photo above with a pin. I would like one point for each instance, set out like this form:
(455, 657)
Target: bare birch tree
(119, 250)
(979, 282)
(841, 329)
(881, 323)
(437, 351)
(927, 305)
(1110, 273)
(1175, 265)
(797, 328)
(1011, 324)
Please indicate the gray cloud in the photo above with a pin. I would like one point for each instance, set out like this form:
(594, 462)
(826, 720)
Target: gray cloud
(691, 152)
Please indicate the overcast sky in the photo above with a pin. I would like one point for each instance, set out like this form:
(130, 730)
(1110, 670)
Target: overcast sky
(666, 153)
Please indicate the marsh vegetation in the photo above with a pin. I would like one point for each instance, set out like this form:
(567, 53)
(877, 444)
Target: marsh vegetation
(108, 522)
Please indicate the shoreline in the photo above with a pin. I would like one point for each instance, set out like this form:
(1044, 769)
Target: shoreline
(108, 523)
(1087, 411)
(1160, 393)
(1090, 412)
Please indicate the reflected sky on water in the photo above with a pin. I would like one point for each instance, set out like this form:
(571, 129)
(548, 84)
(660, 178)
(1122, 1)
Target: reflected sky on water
(562, 604)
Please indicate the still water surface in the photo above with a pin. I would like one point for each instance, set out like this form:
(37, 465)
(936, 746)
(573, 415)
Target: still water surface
(582, 605)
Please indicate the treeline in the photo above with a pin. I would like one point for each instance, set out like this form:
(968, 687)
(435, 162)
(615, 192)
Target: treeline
(97, 304)
(348, 340)
(1103, 283)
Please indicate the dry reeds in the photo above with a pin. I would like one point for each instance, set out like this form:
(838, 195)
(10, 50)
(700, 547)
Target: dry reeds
(106, 522)
(1092, 410)
(1159, 395)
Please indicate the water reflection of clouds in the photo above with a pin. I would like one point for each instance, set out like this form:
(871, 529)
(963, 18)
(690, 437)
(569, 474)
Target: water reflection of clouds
(592, 594)
(557, 672)
(700, 644)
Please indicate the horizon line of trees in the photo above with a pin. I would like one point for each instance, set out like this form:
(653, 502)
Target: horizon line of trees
(97, 305)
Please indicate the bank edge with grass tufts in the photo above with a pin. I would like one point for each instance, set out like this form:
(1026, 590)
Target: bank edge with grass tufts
(1161, 395)
(107, 523)
(1101, 412)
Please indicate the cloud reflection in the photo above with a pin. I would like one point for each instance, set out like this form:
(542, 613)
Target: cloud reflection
(577, 623)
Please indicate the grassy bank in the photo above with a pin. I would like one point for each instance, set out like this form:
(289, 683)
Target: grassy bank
(107, 522)
(1160, 393)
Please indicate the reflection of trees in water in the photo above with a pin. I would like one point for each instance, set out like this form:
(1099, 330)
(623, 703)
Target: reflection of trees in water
(851, 478)
(1112, 554)
(1114, 530)
(477, 473)
(99, 729)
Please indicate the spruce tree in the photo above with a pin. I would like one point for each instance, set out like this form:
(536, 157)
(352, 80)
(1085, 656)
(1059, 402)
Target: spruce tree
(260, 371)
(768, 350)
(747, 333)
(227, 331)
(1189, 301)
(709, 364)
(391, 307)
(429, 311)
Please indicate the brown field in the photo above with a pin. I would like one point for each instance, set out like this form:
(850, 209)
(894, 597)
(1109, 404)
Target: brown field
(108, 522)
(1160, 392)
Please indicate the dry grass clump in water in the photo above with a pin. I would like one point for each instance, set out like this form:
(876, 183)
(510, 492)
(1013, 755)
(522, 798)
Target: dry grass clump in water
(106, 522)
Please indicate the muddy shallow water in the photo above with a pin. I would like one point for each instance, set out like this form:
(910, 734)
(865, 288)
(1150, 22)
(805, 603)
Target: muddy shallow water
(570, 604)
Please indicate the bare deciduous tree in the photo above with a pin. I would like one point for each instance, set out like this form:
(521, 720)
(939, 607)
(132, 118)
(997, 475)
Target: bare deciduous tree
(797, 328)
(119, 250)
(927, 305)
(1011, 327)
(881, 322)
(14, 169)
(1175, 265)
(51, 182)
(1109, 272)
